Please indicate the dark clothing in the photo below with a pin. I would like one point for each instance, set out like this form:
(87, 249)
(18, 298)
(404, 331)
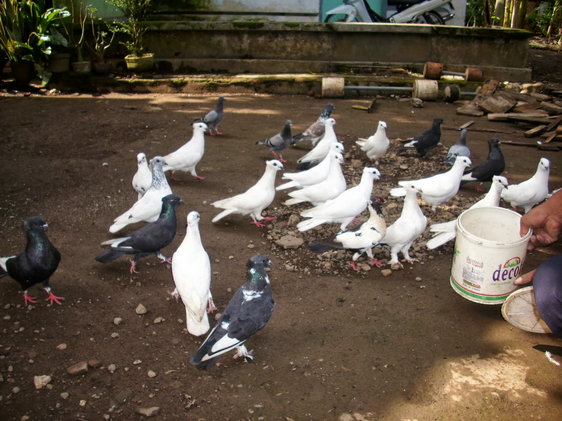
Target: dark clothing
(547, 283)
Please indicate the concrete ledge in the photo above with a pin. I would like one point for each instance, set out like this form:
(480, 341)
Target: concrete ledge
(288, 47)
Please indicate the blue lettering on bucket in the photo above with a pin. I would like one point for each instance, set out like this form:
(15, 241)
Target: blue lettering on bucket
(508, 271)
(474, 263)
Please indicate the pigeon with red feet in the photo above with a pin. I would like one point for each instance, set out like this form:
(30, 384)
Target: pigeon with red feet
(213, 117)
(36, 264)
(279, 142)
(254, 200)
(147, 240)
(248, 312)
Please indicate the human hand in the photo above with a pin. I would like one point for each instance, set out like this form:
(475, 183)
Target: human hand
(525, 279)
(545, 220)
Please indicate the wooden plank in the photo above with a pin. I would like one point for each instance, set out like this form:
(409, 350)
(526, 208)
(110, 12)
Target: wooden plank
(482, 130)
(515, 116)
(554, 124)
(551, 108)
(535, 131)
(466, 125)
(549, 138)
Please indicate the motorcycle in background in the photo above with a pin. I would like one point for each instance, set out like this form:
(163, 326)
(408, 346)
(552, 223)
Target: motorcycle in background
(432, 12)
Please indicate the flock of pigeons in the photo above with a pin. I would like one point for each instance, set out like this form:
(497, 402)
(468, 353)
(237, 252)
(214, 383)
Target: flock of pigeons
(319, 181)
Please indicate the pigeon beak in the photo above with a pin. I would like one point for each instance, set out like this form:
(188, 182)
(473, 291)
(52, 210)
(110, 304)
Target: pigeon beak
(45, 226)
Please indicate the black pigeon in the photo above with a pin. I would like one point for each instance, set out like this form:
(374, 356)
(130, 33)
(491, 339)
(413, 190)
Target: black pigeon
(279, 142)
(493, 165)
(458, 149)
(149, 239)
(425, 141)
(213, 118)
(36, 264)
(316, 130)
(247, 312)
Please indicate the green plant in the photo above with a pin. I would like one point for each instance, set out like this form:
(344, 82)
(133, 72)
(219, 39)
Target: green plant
(133, 25)
(102, 38)
(79, 16)
(27, 31)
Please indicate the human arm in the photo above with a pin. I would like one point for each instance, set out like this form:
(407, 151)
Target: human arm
(545, 220)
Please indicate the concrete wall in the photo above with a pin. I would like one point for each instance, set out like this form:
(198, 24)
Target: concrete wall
(318, 47)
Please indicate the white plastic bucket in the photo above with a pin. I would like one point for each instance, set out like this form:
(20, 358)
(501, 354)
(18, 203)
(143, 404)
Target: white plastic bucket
(489, 254)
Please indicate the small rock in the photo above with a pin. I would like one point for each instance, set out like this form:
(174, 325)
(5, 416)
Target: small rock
(386, 272)
(41, 381)
(82, 402)
(364, 267)
(94, 363)
(78, 368)
(24, 418)
(16, 390)
(141, 309)
(289, 242)
(151, 374)
(158, 320)
(218, 316)
(61, 346)
(112, 368)
(293, 220)
(250, 246)
(64, 395)
(148, 412)
(117, 321)
(114, 335)
(418, 279)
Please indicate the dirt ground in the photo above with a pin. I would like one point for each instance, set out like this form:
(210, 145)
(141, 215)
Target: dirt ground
(341, 345)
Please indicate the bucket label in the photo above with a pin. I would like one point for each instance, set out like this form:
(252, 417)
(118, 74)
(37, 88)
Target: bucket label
(509, 271)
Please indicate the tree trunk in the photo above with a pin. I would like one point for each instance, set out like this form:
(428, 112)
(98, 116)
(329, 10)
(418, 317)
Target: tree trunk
(515, 14)
(498, 12)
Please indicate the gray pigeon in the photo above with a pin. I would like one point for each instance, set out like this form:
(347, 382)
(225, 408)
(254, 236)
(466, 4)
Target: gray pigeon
(425, 141)
(36, 264)
(214, 117)
(458, 149)
(248, 311)
(316, 130)
(147, 240)
(279, 142)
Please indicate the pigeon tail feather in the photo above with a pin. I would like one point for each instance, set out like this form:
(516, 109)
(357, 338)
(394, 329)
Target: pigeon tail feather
(197, 327)
(441, 239)
(223, 214)
(398, 192)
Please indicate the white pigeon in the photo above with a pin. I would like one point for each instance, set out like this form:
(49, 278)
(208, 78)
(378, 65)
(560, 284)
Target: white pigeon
(447, 231)
(532, 191)
(148, 207)
(143, 177)
(191, 269)
(438, 188)
(361, 240)
(255, 199)
(344, 208)
(376, 145)
(189, 155)
(314, 175)
(330, 188)
(320, 151)
(409, 226)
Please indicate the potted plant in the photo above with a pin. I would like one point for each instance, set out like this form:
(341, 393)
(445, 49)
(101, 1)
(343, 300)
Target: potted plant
(101, 41)
(27, 30)
(80, 16)
(133, 25)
